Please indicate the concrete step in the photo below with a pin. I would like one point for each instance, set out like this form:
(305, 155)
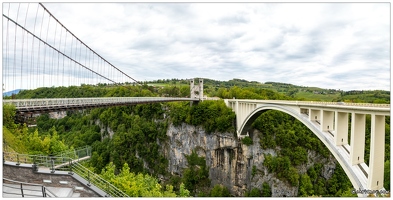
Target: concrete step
(61, 191)
(76, 195)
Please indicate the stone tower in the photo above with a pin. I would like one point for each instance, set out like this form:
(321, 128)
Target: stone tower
(196, 90)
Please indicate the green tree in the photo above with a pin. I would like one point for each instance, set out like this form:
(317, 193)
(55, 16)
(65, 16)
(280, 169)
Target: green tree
(220, 191)
(183, 192)
(247, 141)
(136, 185)
(266, 190)
(387, 175)
(56, 145)
(305, 186)
(197, 174)
(255, 192)
(9, 112)
(35, 143)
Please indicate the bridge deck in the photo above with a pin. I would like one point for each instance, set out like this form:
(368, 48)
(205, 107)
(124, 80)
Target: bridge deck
(48, 105)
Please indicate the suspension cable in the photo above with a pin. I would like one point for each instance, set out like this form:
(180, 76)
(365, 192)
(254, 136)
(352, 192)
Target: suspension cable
(88, 46)
(7, 46)
(14, 69)
(32, 50)
(58, 50)
(23, 40)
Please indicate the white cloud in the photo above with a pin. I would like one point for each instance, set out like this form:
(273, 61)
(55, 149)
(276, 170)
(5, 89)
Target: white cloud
(330, 45)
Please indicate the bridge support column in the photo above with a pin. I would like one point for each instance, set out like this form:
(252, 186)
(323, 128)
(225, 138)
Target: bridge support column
(377, 153)
(341, 126)
(327, 120)
(238, 118)
(358, 127)
(315, 115)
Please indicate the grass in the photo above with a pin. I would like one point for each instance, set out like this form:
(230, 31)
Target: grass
(317, 97)
(13, 144)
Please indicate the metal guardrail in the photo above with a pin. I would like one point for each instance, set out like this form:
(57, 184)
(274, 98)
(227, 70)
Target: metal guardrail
(27, 189)
(97, 181)
(314, 103)
(21, 103)
(48, 161)
(345, 104)
(75, 153)
(62, 163)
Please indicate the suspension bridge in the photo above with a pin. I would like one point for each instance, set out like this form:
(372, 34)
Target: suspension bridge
(39, 51)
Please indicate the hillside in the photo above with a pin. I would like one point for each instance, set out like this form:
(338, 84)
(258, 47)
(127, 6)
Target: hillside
(306, 93)
(10, 93)
(195, 145)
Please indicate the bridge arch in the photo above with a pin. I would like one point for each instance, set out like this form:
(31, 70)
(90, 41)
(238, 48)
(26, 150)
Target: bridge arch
(354, 178)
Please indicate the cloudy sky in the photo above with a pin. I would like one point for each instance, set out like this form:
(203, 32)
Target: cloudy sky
(330, 45)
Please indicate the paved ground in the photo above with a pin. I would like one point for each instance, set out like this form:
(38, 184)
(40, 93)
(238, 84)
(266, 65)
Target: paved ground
(14, 191)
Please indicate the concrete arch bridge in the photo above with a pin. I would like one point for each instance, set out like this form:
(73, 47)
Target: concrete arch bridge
(329, 121)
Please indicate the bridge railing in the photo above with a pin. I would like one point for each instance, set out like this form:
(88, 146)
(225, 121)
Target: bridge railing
(315, 103)
(89, 101)
(347, 104)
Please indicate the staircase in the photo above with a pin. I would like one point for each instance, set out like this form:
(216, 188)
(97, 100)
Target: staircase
(15, 191)
(64, 164)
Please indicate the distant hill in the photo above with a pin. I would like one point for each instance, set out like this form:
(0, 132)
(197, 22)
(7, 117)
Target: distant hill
(309, 93)
(7, 94)
(214, 88)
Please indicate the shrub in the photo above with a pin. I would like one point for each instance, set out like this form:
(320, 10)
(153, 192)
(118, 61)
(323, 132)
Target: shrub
(247, 141)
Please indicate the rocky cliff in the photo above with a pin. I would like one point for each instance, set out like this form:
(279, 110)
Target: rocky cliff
(230, 162)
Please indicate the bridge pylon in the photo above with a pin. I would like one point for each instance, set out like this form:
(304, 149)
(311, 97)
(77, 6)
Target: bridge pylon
(196, 90)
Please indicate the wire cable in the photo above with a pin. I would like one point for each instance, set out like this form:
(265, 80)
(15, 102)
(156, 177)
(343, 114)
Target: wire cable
(89, 47)
(32, 50)
(100, 75)
(14, 69)
(23, 40)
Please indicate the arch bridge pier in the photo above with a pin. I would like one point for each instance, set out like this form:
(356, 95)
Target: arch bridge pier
(329, 121)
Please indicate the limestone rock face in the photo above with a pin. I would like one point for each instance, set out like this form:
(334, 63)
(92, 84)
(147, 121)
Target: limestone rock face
(230, 162)
(57, 115)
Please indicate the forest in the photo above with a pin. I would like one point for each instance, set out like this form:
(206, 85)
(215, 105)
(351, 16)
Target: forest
(126, 139)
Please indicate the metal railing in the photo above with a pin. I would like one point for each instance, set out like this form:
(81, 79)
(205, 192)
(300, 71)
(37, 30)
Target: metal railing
(19, 103)
(24, 189)
(62, 163)
(75, 153)
(313, 103)
(96, 180)
(48, 161)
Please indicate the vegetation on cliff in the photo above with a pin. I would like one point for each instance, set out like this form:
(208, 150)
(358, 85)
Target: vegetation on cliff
(125, 139)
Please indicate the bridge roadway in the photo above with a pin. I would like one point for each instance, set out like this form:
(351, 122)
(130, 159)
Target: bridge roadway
(58, 104)
(329, 121)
